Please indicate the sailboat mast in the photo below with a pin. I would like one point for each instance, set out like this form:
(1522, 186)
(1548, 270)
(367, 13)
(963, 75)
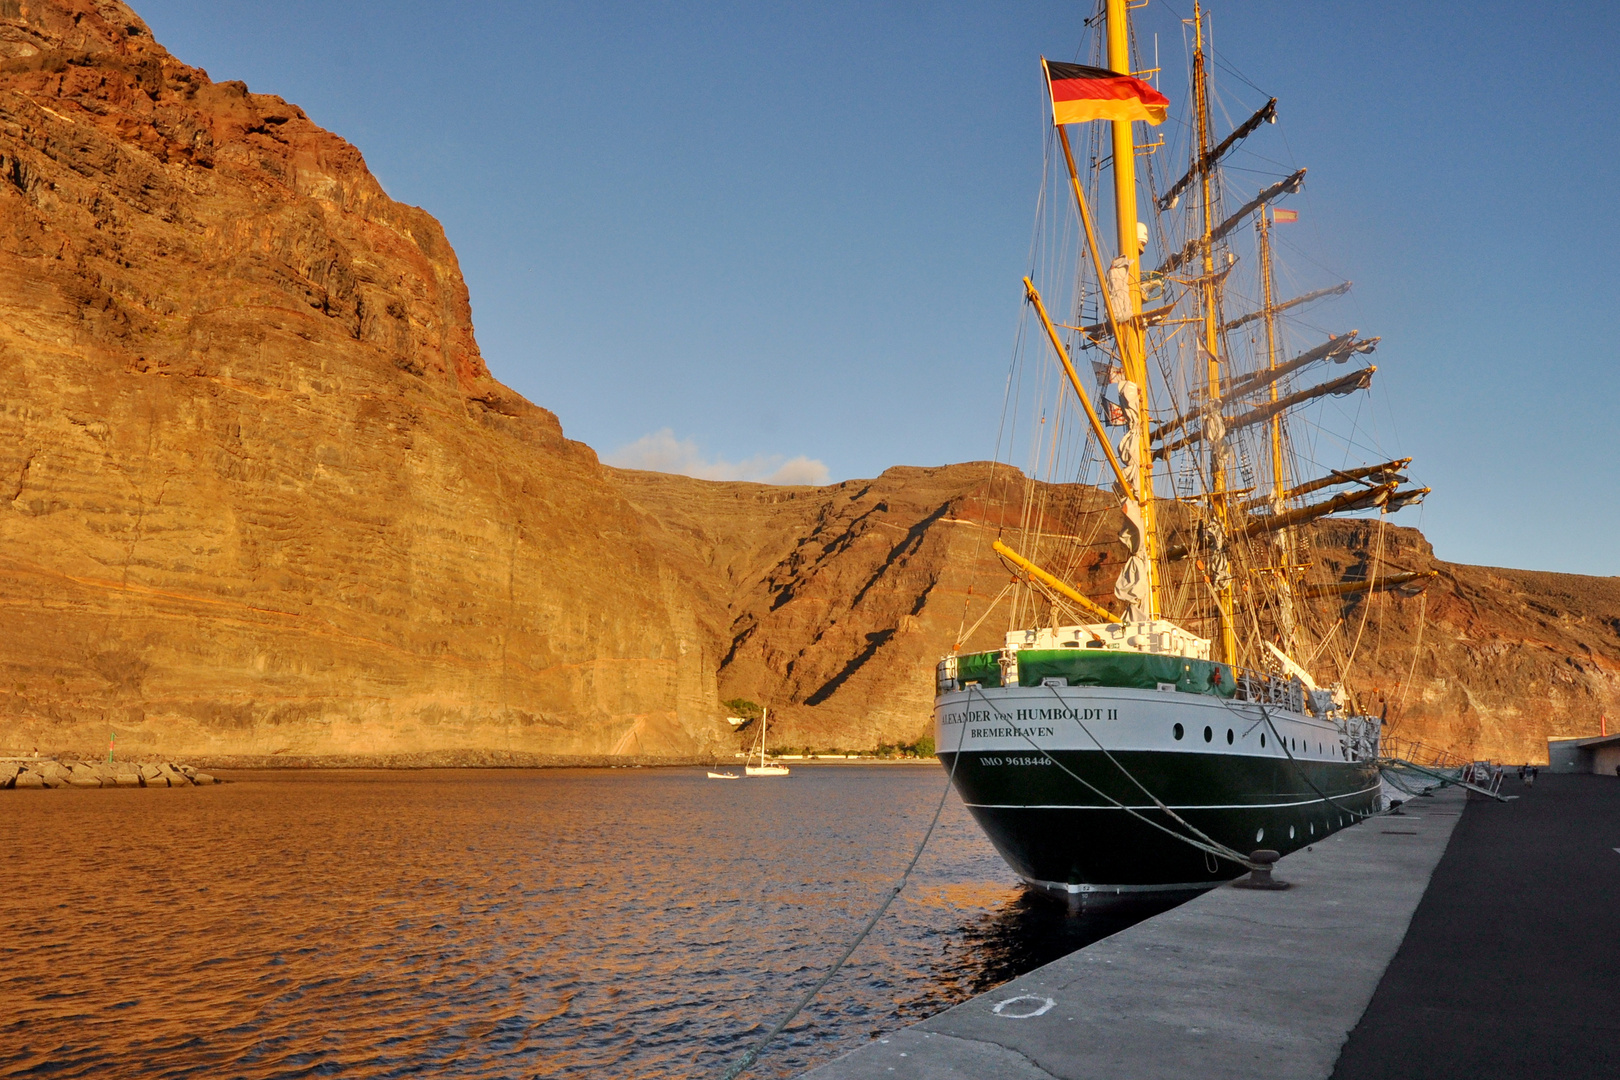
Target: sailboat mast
(1220, 573)
(1279, 477)
(1133, 355)
(1279, 470)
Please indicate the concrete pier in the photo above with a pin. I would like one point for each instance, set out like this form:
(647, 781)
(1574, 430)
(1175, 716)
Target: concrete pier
(1235, 983)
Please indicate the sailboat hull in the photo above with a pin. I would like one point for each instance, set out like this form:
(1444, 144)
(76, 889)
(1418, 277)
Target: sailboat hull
(1066, 782)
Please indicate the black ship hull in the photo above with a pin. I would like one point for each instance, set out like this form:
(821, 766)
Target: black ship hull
(1066, 783)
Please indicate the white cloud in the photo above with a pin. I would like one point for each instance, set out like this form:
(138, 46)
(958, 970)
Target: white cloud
(663, 452)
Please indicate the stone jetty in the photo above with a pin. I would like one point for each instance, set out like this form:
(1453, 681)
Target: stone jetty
(50, 773)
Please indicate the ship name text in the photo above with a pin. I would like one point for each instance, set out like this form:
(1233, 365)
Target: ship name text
(1016, 716)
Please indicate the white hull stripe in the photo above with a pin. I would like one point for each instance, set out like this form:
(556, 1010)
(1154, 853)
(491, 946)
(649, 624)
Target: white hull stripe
(1152, 806)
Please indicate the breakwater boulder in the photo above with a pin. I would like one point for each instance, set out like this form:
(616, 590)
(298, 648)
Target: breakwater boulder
(43, 773)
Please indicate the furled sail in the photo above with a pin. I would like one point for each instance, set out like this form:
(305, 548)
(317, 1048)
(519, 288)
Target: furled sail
(1287, 305)
(1266, 114)
(1131, 587)
(1347, 384)
(1371, 475)
(1285, 186)
(1337, 349)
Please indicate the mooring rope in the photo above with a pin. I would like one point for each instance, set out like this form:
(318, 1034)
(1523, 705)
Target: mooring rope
(1303, 775)
(1213, 847)
(748, 1059)
(1233, 853)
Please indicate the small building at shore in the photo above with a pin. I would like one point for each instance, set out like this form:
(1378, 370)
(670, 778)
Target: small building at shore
(1600, 755)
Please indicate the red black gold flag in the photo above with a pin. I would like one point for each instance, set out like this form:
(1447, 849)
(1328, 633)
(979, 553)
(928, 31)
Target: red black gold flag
(1081, 93)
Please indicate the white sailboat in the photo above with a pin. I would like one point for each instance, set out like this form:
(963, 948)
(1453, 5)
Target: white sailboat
(763, 769)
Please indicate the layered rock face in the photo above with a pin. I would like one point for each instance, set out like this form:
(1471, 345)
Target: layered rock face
(259, 495)
(258, 492)
(843, 598)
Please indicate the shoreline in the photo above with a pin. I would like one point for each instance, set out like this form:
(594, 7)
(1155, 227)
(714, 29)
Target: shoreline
(483, 759)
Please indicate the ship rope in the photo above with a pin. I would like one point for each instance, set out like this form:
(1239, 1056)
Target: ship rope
(1183, 822)
(1298, 768)
(962, 638)
(749, 1058)
(1417, 648)
(1372, 576)
(1210, 846)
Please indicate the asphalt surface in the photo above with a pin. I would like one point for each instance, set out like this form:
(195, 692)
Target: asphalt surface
(1511, 965)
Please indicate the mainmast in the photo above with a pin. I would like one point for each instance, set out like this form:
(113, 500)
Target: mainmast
(1216, 564)
(1125, 284)
(1279, 471)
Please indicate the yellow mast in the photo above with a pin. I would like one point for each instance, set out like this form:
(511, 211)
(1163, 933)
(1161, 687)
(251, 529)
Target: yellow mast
(1133, 358)
(1217, 500)
(1279, 475)
(1279, 471)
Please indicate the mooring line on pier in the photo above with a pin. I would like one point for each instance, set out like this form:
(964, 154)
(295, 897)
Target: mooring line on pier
(1211, 847)
(753, 1053)
(1229, 853)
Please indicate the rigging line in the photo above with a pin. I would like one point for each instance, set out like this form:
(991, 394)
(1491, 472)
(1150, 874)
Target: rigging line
(990, 479)
(1303, 775)
(1423, 610)
(1225, 854)
(753, 1053)
(1378, 558)
(1156, 800)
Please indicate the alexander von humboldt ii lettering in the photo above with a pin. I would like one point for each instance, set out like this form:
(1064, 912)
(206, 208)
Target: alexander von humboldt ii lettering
(1140, 744)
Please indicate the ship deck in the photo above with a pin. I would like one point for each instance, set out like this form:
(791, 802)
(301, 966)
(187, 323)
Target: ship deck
(1460, 938)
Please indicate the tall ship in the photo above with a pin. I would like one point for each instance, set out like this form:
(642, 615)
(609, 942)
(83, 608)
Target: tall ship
(1148, 742)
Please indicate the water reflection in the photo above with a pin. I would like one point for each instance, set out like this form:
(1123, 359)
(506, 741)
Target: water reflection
(1029, 931)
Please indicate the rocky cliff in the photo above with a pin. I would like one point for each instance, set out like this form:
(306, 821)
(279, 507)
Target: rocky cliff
(262, 497)
(260, 493)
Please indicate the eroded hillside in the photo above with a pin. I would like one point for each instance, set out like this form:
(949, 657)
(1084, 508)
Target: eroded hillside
(261, 496)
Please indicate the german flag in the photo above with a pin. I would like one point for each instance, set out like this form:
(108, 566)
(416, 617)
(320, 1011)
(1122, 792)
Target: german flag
(1081, 93)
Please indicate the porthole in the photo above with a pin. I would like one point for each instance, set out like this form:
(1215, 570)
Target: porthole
(1228, 736)
(1209, 735)
(1180, 731)
(1259, 835)
(1294, 743)
(1262, 740)
(1290, 832)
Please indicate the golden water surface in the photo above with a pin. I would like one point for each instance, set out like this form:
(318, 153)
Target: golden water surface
(501, 923)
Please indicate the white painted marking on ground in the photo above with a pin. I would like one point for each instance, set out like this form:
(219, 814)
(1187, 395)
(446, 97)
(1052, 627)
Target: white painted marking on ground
(1023, 1011)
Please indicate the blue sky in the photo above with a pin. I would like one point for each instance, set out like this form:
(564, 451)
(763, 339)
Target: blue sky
(756, 239)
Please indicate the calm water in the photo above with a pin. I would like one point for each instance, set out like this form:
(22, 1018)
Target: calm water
(601, 923)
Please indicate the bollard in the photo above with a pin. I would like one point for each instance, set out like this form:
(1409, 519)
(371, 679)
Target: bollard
(1395, 807)
(1260, 878)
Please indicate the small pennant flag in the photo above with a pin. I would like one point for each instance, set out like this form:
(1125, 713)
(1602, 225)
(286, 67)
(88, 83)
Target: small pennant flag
(1081, 93)
(1116, 415)
(1282, 216)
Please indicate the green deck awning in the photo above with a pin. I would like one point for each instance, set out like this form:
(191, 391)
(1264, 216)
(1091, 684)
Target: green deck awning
(1142, 671)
